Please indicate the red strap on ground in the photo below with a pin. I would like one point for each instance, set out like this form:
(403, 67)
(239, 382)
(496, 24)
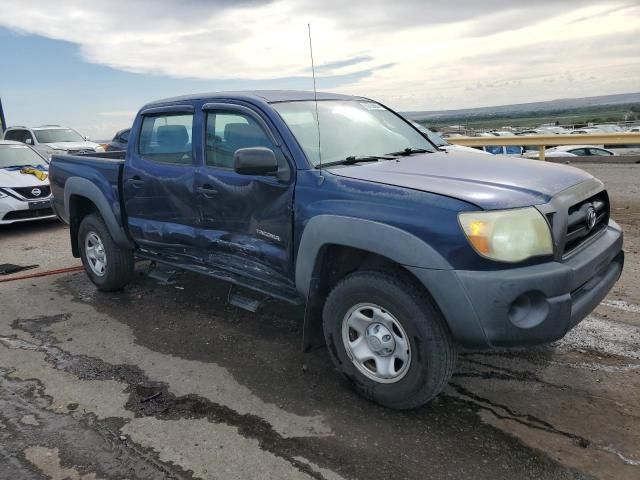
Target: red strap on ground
(44, 274)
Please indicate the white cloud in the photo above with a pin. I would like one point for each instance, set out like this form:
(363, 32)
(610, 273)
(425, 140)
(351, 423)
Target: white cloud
(432, 49)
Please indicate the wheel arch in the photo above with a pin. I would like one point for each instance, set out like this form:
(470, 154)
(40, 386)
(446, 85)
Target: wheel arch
(81, 198)
(333, 246)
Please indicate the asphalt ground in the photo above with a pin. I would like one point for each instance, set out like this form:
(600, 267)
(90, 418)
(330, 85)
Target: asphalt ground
(168, 381)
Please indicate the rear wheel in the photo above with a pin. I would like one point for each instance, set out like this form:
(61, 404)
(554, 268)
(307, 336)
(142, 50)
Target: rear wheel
(388, 339)
(109, 266)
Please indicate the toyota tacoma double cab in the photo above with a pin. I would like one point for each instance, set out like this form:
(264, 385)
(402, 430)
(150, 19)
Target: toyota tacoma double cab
(402, 253)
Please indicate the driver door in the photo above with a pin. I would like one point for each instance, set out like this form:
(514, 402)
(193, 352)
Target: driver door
(245, 220)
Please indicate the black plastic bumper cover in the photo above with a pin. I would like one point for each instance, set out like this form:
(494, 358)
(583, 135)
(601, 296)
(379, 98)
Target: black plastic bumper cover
(479, 306)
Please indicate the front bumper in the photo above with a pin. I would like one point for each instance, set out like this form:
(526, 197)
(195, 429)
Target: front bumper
(13, 210)
(528, 305)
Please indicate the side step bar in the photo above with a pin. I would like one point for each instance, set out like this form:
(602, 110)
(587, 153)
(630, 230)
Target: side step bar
(245, 301)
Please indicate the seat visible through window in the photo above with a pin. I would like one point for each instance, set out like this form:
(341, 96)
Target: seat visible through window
(167, 139)
(228, 132)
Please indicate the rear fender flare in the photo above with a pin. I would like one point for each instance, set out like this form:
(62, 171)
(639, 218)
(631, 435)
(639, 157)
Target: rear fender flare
(85, 188)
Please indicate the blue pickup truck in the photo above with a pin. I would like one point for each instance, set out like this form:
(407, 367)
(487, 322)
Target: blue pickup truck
(401, 253)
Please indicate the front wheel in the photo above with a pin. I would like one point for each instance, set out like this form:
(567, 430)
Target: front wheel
(388, 339)
(109, 266)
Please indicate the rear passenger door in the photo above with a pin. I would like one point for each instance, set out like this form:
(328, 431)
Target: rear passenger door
(246, 220)
(158, 182)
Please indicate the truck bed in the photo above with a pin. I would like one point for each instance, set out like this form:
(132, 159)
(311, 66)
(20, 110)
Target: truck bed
(103, 170)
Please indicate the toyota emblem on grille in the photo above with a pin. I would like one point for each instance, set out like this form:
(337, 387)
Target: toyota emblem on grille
(591, 218)
(36, 192)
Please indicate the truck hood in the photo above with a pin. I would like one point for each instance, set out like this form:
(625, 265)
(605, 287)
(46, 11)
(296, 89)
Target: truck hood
(72, 145)
(11, 178)
(488, 181)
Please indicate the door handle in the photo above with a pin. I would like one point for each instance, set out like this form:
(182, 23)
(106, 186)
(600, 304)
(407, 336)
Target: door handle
(206, 190)
(136, 181)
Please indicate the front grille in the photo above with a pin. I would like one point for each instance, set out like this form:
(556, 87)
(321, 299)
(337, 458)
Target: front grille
(27, 192)
(578, 228)
(23, 214)
(80, 151)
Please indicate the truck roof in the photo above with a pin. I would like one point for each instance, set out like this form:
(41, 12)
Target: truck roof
(269, 96)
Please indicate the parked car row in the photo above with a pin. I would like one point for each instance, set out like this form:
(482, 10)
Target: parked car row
(25, 153)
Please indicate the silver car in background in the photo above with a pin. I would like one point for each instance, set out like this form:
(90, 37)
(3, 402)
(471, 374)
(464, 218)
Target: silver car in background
(53, 140)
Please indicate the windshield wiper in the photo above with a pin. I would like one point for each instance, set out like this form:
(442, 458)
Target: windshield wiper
(410, 151)
(352, 159)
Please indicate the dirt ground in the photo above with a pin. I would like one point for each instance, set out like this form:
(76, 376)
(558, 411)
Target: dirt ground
(168, 381)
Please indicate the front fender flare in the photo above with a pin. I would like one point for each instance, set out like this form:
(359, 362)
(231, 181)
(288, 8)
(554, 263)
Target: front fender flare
(386, 240)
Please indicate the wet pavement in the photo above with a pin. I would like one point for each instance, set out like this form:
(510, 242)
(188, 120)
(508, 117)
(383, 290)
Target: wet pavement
(168, 381)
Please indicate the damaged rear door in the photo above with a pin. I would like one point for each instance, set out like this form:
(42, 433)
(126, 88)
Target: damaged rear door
(158, 183)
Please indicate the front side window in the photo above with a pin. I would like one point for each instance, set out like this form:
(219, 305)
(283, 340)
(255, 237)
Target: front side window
(599, 151)
(58, 135)
(230, 131)
(348, 128)
(167, 138)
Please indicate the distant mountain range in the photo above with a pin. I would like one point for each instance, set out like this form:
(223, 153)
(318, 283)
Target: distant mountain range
(535, 107)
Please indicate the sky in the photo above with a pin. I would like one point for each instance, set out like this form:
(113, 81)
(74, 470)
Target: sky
(91, 64)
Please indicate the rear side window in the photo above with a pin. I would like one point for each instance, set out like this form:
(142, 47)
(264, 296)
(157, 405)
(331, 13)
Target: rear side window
(167, 139)
(230, 131)
(16, 135)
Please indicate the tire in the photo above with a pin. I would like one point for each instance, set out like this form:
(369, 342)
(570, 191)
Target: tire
(94, 237)
(406, 312)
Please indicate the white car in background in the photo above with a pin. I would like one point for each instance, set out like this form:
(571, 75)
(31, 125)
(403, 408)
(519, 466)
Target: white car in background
(53, 140)
(23, 196)
(585, 131)
(441, 143)
(574, 151)
(608, 128)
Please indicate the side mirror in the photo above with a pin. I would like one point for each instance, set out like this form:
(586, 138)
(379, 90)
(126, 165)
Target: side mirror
(29, 141)
(255, 161)
(87, 139)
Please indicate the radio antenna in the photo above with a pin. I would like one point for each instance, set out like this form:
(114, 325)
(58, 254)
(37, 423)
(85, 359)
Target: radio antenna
(315, 97)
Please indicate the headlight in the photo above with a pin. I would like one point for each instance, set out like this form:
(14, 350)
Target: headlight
(508, 235)
(99, 148)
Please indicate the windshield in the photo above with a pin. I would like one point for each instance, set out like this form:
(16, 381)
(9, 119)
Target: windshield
(56, 135)
(349, 128)
(19, 156)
